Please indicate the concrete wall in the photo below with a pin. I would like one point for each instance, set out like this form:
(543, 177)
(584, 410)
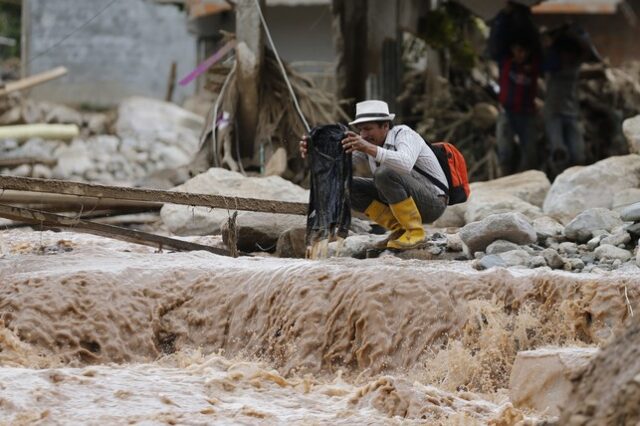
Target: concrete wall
(127, 50)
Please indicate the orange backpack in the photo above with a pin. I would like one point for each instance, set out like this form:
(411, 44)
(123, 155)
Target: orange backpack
(455, 169)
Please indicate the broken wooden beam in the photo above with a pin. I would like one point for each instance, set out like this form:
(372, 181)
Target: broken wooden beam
(32, 81)
(150, 195)
(51, 220)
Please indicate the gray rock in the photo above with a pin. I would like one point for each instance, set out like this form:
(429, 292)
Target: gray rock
(631, 213)
(617, 263)
(512, 227)
(580, 188)
(352, 246)
(582, 227)
(516, 258)
(638, 255)
(490, 261)
(631, 130)
(41, 171)
(546, 227)
(501, 246)
(291, 243)
(23, 170)
(61, 114)
(454, 242)
(186, 220)
(617, 239)
(574, 264)
(607, 251)
(625, 197)
(453, 217)
(359, 226)
(484, 205)
(568, 248)
(261, 233)
(552, 258)
(537, 262)
(634, 229)
(588, 258)
(594, 242)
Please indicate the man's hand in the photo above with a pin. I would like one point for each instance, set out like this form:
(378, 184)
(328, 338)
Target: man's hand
(304, 146)
(354, 142)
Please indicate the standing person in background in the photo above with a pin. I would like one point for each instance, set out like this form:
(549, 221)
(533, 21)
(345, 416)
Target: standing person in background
(565, 50)
(514, 45)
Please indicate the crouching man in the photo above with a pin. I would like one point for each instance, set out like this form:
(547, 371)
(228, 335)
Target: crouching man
(400, 197)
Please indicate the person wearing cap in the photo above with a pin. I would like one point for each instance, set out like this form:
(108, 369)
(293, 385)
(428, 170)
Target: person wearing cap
(398, 197)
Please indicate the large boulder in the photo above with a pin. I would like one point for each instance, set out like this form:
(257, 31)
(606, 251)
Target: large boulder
(530, 186)
(582, 227)
(541, 379)
(186, 220)
(513, 227)
(583, 187)
(631, 130)
(607, 391)
(523, 192)
(153, 123)
(485, 204)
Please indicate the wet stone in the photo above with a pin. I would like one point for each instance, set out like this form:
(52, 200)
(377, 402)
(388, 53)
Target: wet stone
(581, 228)
(501, 246)
(607, 251)
(631, 213)
(552, 258)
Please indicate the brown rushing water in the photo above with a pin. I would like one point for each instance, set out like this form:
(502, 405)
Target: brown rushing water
(111, 333)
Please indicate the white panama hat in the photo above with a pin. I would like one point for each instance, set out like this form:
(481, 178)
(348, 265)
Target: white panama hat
(367, 111)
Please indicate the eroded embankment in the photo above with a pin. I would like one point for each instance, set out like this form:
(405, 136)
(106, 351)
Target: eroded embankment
(376, 316)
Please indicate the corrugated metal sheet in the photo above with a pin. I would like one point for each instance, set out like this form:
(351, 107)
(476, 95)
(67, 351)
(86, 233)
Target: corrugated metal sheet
(578, 6)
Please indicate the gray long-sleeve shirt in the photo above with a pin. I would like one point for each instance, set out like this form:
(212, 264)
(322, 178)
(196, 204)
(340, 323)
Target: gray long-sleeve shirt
(402, 150)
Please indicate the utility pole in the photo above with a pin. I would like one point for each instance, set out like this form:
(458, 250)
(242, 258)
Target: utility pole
(250, 58)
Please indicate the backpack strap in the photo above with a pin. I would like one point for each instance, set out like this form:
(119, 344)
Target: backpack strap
(433, 179)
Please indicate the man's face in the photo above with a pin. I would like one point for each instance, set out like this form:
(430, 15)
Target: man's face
(374, 133)
(520, 54)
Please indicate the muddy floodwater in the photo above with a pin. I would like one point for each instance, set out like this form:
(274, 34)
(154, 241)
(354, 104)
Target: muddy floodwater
(100, 332)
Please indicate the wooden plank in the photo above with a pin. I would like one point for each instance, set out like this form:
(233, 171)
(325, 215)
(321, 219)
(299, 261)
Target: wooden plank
(18, 161)
(34, 80)
(71, 202)
(152, 195)
(108, 231)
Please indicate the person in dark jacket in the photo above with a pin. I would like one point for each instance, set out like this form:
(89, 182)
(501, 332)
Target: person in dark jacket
(514, 45)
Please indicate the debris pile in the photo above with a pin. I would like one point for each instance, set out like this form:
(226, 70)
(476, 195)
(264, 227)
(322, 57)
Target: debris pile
(141, 138)
(464, 110)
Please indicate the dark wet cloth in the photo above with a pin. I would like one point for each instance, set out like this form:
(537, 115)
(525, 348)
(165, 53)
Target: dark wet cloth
(329, 214)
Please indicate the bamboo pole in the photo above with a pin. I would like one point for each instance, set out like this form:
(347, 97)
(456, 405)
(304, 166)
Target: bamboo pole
(109, 231)
(34, 80)
(73, 201)
(152, 195)
(44, 131)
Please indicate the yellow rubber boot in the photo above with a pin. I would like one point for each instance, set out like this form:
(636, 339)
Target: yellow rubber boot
(382, 215)
(408, 216)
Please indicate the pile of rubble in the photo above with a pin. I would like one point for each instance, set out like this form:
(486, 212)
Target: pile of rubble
(143, 137)
(464, 110)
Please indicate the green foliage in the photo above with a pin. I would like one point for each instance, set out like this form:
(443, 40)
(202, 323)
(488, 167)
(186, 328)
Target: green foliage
(10, 21)
(445, 28)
